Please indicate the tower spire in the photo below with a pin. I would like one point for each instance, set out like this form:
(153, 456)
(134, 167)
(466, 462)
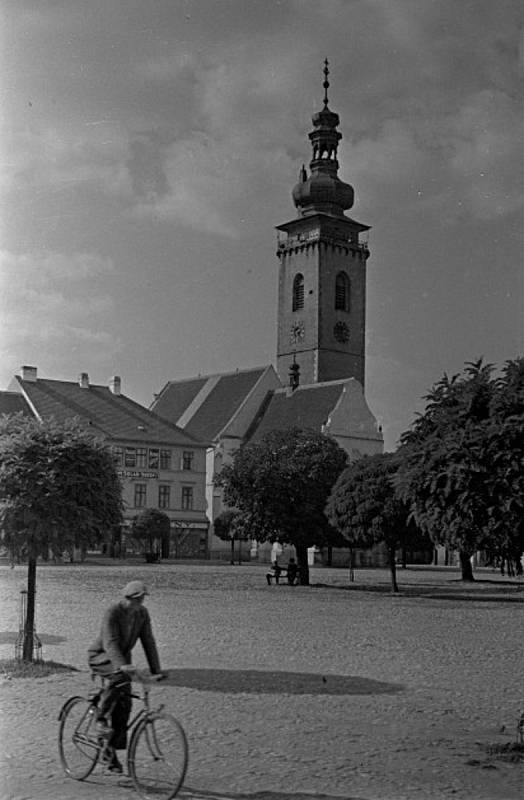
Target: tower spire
(323, 190)
(326, 82)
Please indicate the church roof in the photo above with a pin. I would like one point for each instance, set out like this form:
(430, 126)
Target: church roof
(203, 406)
(176, 397)
(13, 403)
(307, 406)
(110, 415)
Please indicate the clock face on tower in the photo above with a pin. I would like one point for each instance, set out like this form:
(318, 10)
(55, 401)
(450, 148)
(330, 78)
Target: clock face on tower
(341, 332)
(296, 332)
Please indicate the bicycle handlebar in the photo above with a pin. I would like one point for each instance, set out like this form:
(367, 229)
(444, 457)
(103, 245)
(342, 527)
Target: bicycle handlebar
(137, 675)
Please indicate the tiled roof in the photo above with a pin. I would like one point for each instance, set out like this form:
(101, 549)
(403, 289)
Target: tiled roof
(307, 407)
(176, 396)
(114, 416)
(13, 403)
(227, 392)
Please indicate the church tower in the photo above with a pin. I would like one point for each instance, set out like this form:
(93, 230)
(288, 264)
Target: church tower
(322, 275)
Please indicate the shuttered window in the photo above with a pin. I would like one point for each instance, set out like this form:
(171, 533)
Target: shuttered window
(298, 292)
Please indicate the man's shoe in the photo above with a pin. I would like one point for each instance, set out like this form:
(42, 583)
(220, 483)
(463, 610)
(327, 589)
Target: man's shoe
(111, 762)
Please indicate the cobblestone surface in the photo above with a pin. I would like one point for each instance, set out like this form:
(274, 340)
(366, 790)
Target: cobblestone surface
(288, 692)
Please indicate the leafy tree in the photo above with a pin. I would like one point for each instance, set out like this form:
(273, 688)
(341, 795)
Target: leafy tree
(462, 461)
(281, 483)
(364, 508)
(231, 526)
(58, 489)
(504, 445)
(150, 529)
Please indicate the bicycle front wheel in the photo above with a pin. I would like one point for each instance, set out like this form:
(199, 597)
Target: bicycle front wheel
(78, 742)
(157, 756)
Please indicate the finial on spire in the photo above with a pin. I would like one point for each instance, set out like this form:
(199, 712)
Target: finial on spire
(326, 82)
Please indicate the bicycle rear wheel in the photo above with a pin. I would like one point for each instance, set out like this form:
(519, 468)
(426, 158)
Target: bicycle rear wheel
(78, 741)
(157, 756)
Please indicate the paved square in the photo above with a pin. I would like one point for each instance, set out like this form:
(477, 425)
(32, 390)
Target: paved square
(285, 691)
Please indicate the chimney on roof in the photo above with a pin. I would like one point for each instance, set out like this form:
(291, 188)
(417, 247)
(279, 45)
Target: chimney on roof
(83, 380)
(29, 374)
(115, 384)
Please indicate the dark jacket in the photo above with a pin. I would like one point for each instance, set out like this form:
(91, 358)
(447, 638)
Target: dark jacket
(121, 628)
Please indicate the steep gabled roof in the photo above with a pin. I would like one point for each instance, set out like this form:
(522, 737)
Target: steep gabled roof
(176, 397)
(307, 407)
(110, 415)
(14, 403)
(205, 405)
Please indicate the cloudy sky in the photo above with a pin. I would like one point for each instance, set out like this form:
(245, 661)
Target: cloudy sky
(149, 147)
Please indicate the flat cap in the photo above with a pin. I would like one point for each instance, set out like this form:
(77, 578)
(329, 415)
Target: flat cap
(134, 589)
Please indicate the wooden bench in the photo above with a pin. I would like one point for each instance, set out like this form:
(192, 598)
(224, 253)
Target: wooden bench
(282, 573)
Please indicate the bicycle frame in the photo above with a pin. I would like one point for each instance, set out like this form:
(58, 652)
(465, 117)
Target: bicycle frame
(143, 697)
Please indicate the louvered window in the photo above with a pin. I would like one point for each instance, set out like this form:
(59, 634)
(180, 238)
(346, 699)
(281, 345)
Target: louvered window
(298, 292)
(342, 292)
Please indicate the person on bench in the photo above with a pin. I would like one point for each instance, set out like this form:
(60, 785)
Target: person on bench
(292, 571)
(274, 572)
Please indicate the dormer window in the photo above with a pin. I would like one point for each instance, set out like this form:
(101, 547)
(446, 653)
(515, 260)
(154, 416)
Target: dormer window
(342, 292)
(298, 292)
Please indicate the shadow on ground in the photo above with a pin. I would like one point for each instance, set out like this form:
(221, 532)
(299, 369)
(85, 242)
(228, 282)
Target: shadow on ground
(11, 637)
(480, 591)
(233, 681)
(190, 793)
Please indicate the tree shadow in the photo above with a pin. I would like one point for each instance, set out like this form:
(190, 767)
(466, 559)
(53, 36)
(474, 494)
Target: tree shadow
(233, 681)
(11, 637)
(191, 793)
(480, 591)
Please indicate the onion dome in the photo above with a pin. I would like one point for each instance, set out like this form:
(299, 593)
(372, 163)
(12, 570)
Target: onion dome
(323, 191)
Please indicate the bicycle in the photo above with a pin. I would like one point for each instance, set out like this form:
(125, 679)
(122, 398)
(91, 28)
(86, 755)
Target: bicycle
(157, 755)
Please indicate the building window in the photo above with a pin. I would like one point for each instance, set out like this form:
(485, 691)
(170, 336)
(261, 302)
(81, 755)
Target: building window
(187, 497)
(187, 459)
(153, 458)
(141, 457)
(118, 456)
(130, 457)
(165, 459)
(140, 495)
(164, 496)
(342, 292)
(298, 292)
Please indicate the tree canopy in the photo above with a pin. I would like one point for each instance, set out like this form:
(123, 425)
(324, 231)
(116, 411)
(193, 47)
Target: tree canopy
(231, 526)
(58, 489)
(462, 462)
(364, 508)
(281, 483)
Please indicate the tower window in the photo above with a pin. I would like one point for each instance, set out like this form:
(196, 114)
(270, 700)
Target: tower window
(298, 292)
(342, 292)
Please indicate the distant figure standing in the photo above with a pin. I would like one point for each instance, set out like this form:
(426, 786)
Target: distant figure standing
(292, 571)
(274, 572)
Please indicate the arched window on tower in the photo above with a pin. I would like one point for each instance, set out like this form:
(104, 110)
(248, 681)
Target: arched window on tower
(298, 292)
(342, 292)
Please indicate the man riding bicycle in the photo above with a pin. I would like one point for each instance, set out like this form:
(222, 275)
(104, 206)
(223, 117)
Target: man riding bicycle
(123, 624)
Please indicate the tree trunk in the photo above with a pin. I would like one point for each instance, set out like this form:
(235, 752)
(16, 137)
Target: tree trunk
(465, 566)
(393, 569)
(29, 622)
(303, 566)
(232, 552)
